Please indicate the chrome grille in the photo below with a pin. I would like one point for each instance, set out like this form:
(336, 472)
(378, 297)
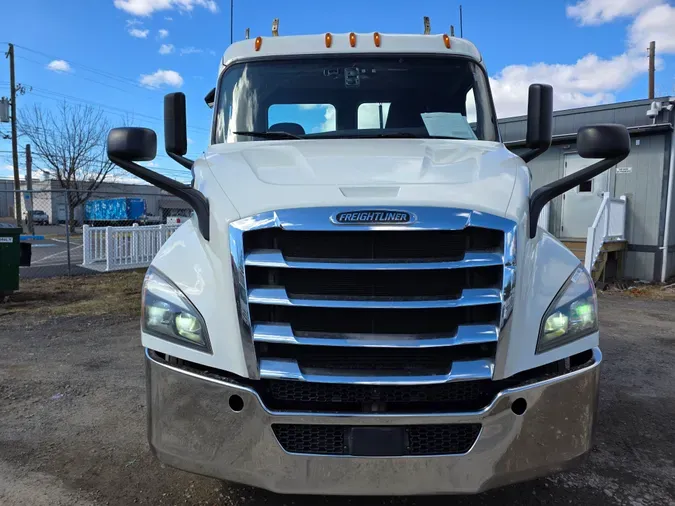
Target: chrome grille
(421, 303)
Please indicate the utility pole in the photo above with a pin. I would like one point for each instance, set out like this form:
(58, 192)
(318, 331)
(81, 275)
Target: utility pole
(231, 21)
(29, 188)
(652, 68)
(15, 151)
(461, 23)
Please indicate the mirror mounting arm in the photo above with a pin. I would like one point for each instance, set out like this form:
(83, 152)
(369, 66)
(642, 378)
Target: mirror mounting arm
(185, 162)
(193, 197)
(532, 154)
(546, 193)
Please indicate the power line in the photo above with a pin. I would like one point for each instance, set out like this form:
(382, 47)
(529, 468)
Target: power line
(81, 77)
(45, 93)
(93, 70)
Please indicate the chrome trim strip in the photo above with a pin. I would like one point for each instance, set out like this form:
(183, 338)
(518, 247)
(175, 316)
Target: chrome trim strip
(274, 258)
(469, 297)
(241, 298)
(318, 219)
(288, 369)
(466, 334)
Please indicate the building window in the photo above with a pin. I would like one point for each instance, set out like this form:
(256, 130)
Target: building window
(586, 187)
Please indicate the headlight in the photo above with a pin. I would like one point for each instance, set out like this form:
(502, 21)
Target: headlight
(167, 313)
(572, 315)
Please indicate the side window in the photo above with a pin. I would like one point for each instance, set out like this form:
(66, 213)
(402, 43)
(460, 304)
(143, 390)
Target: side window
(471, 108)
(301, 119)
(372, 115)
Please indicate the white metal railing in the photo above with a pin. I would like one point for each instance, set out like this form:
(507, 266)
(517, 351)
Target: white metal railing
(609, 225)
(115, 248)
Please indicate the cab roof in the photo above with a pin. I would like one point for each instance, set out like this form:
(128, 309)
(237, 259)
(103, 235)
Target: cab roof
(340, 44)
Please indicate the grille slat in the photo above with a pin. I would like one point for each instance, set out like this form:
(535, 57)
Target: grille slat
(429, 245)
(448, 439)
(274, 258)
(469, 297)
(432, 284)
(282, 333)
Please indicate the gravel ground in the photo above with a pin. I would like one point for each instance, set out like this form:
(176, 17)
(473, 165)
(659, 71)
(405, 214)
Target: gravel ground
(72, 420)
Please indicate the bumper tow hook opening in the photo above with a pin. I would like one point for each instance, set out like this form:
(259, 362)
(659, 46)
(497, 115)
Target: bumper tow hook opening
(236, 403)
(519, 406)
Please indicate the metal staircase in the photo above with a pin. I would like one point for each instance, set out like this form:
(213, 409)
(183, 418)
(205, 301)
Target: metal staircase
(606, 239)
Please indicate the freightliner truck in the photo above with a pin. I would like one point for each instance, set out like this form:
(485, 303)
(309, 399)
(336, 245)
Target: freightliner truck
(366, 305)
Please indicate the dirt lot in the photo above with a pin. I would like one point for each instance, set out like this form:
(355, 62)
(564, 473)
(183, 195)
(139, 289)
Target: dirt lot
(72, 410)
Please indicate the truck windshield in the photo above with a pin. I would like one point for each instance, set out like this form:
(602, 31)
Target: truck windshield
(354, 97)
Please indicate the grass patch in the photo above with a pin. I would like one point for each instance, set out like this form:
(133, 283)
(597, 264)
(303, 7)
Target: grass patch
(117, 293)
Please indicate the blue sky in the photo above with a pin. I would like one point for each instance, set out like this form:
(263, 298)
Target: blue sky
(592, 51)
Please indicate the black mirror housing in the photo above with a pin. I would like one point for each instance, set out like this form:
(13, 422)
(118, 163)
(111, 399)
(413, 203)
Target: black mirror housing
(175, 124)
(603, 141)
(132, 144)
(539, 120)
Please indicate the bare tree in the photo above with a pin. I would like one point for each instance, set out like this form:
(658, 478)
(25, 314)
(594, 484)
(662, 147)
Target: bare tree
(71, 141)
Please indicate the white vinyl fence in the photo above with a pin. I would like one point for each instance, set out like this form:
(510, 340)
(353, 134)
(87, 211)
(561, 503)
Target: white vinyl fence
(609, 226)
(116, 248)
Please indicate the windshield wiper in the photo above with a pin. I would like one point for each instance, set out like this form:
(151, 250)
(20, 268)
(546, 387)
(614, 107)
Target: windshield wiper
(270, 135)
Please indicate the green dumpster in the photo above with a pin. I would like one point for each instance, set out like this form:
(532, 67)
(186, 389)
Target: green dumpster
(10, 253)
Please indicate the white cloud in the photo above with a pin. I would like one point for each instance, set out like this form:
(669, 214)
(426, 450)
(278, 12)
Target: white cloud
(596, 12)
(328, 124)
(166, 49)
(138, 33)
(212, 52)
(658, 24)
(163, 34)
(147, 7)
(162, 78)
(592, 80)
(59, 66)
(190, 50)
(589, 81)
(168, 18)
(190, 141)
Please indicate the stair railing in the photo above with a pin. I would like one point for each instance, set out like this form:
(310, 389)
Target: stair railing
(609, 225)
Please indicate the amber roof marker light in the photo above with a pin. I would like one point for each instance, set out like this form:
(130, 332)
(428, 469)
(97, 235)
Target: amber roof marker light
(258, 43)
(446, 40)
(329, 40)
(376, 39)
(352, 39)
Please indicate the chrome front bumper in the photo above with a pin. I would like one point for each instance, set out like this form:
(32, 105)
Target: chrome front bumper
(192, 427)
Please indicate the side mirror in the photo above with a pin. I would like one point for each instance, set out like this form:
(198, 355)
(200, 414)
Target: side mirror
(539, 121)
(132, 144)
(175, 128)
(603, 141)
(129, 145)
(610, 142)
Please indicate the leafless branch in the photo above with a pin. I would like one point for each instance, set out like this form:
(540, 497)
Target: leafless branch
(71, 141)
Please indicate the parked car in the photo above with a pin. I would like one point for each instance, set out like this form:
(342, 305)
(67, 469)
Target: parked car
(39, 217)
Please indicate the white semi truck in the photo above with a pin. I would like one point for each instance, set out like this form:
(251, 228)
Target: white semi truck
(366, 305)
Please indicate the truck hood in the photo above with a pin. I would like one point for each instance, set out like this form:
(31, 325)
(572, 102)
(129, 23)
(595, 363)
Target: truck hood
(259, 176)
